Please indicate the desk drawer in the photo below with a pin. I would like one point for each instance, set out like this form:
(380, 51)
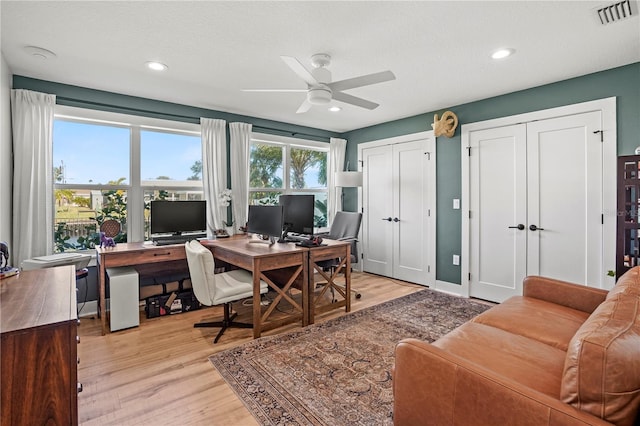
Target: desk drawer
(143, 256)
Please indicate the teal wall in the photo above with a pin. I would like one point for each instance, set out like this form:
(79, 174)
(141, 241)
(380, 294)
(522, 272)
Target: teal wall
(115, 102)
(622, 82)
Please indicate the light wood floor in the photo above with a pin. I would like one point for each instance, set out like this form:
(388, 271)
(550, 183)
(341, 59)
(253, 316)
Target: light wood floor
(159, 373)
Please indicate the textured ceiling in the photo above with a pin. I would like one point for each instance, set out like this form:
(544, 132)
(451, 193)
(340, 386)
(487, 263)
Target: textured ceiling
(439, 51)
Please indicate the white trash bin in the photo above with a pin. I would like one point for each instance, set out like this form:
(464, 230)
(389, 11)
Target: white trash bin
(123, 297)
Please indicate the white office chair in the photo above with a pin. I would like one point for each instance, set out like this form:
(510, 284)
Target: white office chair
(215, 289)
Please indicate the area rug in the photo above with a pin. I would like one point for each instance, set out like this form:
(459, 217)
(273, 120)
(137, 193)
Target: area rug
(337, 372)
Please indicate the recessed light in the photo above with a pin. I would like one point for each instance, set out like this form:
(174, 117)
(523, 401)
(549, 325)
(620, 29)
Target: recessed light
(156, 66)
(503, 53)
(39, 52)
(334, 108)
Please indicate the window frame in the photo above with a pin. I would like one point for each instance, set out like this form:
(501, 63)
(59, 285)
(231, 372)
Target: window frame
(135, 188)
(288, 143)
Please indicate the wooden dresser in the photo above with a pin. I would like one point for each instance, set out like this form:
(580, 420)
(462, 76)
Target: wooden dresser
(38, 325)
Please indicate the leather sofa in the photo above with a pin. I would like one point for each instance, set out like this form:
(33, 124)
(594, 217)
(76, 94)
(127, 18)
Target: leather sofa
(560, 354)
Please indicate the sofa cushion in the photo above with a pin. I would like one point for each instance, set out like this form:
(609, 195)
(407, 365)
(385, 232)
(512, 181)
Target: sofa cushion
(536, 319)
(628, 283)
(602, 368)
(526, 361)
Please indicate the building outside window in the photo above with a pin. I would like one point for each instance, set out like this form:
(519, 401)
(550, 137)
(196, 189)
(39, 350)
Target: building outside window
(110, 166)
(280, 165)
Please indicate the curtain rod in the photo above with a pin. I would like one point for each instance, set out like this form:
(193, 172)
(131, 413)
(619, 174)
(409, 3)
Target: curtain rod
(293, 134)
(179, 116)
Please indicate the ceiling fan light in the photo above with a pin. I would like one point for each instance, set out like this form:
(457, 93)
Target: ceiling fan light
(319, 96)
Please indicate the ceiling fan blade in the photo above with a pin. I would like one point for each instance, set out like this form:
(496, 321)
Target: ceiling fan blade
(363, 80)
(306, 106)
(275, 90)
(299, 69)
(354, 100)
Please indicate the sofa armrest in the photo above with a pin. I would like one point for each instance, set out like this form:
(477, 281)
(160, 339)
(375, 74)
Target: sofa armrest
(563, 293)
(434, 387)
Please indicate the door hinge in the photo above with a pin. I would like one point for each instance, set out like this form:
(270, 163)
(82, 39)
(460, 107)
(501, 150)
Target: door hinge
(469, 276)
(428, 155)
(429, 212)
(428, 268)
(469, 151)
(469, 214)
(601, 135)
(602, 219)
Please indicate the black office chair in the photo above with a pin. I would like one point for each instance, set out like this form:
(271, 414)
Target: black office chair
(345, 227)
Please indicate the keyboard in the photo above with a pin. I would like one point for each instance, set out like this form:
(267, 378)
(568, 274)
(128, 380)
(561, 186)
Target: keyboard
(175, 239)
(296, 238)
(168, 242)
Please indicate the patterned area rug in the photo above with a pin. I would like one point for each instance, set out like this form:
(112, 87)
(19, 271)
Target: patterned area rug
(337, 372)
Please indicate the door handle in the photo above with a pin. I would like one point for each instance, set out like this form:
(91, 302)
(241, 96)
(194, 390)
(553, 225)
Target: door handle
(519, 226)
(395, 219)
(388, 219)
(535, 228)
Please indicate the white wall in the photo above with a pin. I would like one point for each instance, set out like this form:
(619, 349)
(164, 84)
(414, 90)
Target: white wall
(6, 152)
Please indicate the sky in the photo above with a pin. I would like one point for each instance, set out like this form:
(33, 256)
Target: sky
(96, 154)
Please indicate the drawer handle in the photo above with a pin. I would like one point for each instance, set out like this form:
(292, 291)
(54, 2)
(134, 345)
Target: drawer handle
(162, 254)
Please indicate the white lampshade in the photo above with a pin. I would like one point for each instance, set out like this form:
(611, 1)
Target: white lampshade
(349, 179)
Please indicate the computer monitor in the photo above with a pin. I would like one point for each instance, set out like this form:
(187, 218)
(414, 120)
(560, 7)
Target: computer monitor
(298, 213)
(178, 217)
(265, 221)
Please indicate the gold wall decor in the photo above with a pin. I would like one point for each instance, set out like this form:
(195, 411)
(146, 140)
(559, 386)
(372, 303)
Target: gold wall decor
(445, 125)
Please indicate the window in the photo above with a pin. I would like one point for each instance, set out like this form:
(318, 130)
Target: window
(279, 165)
(110, 166)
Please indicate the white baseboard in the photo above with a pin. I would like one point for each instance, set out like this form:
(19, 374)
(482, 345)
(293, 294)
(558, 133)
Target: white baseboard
(449, 288)
(90, 308)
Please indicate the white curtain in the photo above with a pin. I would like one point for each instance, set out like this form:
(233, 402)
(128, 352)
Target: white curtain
(214, 170)
(337, 150)
(240, 142)
(32, 122)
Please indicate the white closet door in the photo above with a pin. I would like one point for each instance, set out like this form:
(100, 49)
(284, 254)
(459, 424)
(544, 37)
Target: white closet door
(377, 199)
(546, 175)
(564, 163)
(410, 209)
(498, 219)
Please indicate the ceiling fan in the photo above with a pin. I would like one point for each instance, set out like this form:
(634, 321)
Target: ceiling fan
(320, 90)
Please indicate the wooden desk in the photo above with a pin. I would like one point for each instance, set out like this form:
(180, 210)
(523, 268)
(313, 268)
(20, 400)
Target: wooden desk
(297, 263)
(259, 259)
(130, 254)
(332, 250)
(39, 339)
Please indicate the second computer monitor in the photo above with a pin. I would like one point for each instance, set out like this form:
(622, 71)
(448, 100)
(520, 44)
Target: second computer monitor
(265, 220)
(298, 213)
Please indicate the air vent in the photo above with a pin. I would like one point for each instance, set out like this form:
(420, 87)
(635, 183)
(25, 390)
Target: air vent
(616, 12)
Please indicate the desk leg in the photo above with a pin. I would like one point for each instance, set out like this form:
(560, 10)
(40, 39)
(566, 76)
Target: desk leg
(102, 312)
(347, 280)
(257, 311)
(307, 303)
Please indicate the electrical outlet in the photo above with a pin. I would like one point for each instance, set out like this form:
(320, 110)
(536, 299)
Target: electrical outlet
(456, 259)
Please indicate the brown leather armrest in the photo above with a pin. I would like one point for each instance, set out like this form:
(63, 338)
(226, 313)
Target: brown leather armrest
(563, 293)
(434, 387)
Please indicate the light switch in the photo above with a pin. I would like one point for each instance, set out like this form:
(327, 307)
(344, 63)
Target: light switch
(456, 203)
(456, 259)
